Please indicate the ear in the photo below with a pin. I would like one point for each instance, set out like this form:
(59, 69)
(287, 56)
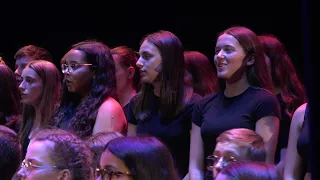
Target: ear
(65, 175)
(131, 71)
(250, 61)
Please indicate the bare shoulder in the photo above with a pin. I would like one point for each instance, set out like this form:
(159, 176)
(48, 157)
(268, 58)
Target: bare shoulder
(110, 104)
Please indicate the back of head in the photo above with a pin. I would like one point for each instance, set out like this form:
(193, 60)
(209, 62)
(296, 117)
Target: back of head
(246, 170)
(97, 144)
(246, 139)
(127, 58)
(10, 97)
(68, 151)
(146, 157)
(33, 52)
(257, 73)
(10, 153)
(203, 75)
(283, 72)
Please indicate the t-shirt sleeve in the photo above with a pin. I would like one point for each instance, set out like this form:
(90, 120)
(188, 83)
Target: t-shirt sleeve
(130, 114)
(268, 105)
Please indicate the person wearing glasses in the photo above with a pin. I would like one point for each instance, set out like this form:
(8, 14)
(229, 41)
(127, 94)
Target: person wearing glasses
(56, 154)
(233, 145)
(136, 158)
(89, 87)
(244, 99)
(40, 93)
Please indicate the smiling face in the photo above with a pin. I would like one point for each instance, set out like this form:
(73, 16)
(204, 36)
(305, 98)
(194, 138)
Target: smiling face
(149, 62)
(80, 80)
(31, 87)
(229, 56)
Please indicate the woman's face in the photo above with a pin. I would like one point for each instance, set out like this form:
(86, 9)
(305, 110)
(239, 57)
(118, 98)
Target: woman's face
(31, 87)
(228, 57)
(114, 167)
(37, 164)
(149, 62)
(79, 80)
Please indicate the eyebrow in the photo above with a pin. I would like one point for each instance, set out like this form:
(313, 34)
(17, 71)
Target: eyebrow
(110, 166)
(33, 160)
(33, 78)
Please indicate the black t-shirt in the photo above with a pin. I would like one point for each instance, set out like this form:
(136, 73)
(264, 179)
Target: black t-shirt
(175, 134)
(217, 113)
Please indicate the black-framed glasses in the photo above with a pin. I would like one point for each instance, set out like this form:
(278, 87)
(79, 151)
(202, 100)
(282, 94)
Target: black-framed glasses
(107, 174)
(27, 167)
(69, 68)
(213, 160)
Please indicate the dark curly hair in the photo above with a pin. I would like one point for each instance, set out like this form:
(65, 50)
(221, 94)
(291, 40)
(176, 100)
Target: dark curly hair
(81, 114)
(68, 152)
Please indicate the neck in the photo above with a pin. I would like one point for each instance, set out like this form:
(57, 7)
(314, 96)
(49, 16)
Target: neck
(156, 88)
(238, 87)
(125, 95)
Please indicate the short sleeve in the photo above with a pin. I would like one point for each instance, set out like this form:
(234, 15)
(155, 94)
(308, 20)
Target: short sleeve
(268, 106)
(197, 116)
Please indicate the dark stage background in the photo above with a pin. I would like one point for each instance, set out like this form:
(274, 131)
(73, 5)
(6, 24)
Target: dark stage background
(57, 25)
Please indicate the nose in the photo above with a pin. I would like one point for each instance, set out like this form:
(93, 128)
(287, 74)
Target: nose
(20, 173)
(21, 86)
(218, 166)
(17, 73)
(220, 55)
(139, 63)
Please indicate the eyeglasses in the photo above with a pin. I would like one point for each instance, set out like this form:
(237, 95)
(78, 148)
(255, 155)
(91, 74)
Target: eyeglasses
(213, 160)
(107, 174)
(69, 68)
(27, 167)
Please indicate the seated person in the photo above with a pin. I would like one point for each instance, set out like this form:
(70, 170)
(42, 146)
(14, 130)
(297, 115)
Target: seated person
(238, 144)
(56, 154)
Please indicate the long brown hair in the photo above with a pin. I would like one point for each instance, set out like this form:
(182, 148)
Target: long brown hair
(284, 74)
(171, 78)
(50, 76)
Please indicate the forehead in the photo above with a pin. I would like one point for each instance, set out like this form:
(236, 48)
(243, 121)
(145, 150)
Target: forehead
(75, 56)
(147, 47)
(109, 159)
(30, 72)
(227, 147)
(24, 60)
(227, 40)
(39, 150)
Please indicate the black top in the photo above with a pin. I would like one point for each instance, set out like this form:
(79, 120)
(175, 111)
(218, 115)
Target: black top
(217, 113)
(303, 141)
(285, 122)
(175, 134)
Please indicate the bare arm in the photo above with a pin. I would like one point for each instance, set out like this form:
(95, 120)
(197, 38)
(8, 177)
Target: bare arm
(110, 117)
(292, 170)
(268, 128)
(196, 154)
(132, 130)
